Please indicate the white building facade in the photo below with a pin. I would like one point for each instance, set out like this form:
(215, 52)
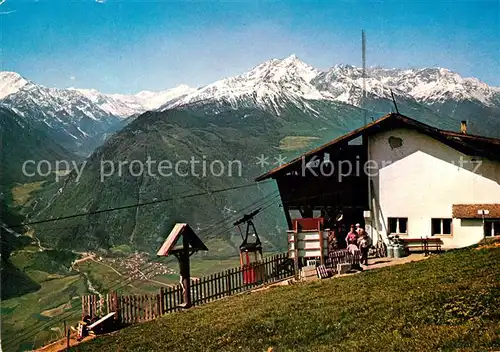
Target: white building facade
(418, 182)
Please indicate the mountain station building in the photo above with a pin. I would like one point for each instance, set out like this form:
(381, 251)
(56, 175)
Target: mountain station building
(398, 176)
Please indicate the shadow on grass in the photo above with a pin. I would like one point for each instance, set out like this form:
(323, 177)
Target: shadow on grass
(14, 282)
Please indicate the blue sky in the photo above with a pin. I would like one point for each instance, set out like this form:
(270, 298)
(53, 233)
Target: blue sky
(127, 46)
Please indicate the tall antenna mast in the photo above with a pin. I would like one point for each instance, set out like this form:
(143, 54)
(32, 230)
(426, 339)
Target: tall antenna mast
(363, 50)
(367, 138)
(394, 102)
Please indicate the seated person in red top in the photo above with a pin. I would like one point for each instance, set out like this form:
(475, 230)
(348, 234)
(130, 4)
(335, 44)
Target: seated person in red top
(352, 237)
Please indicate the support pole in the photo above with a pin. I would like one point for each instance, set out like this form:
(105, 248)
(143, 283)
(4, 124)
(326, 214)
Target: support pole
(484, 227)
(67, 339)
(186, 279)
(296, 252)
(185, 275)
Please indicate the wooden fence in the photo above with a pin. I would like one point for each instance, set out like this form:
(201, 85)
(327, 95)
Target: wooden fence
(140, 308)
(342, 256)
(95, 305)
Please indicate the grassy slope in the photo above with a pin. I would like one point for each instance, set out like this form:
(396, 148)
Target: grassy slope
(449, 302)
(57, 288)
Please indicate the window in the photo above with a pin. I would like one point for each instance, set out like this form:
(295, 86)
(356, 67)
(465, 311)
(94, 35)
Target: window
(492, 227)
(441, 227)
(398, 225)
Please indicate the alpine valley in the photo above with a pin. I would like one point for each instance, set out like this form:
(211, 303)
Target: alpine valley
(270, 114)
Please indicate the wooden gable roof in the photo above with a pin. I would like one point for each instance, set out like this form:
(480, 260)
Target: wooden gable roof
(186, 232)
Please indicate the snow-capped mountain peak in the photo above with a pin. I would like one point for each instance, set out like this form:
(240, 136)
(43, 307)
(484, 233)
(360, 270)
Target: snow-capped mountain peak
(277, 70)
(267, 85)
(11, 82)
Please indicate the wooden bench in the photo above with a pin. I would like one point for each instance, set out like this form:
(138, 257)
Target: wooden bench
(96, 325)
(425, 244)
(433, 244)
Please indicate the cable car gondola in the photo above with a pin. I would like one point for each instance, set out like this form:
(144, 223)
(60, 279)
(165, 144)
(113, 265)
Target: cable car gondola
(250, 251)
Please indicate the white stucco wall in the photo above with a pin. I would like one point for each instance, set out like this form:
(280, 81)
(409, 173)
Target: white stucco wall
(422, 179)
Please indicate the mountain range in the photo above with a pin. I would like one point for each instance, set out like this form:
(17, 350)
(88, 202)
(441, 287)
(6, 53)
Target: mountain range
(279, 108)
(266, 85)
(81, 118)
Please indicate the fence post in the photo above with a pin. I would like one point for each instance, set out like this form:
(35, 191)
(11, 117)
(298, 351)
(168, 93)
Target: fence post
(157, 310)
(162, 301)
(107, 303)
(93, 307)
(116, 306)
(296, 253)
(170, 299)
(127, 311)
(228, 282)
(83, 306)
(89, 306)
(144, 305)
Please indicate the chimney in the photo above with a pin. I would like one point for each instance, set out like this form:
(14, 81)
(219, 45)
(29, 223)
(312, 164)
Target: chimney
(463, 127)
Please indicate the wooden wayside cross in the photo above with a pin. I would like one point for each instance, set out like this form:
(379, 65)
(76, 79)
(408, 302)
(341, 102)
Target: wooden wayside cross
(190, 244)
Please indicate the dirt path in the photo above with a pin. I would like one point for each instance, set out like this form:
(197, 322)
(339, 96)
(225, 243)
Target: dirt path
(109, 266)
(61, 344)
(81, 260)
(145, 278)
(376, 263)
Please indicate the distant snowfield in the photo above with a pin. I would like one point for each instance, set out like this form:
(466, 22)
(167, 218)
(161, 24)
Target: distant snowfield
(125, 105)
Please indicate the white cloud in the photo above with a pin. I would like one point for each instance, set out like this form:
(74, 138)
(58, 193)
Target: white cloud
(72, 78)
(98, 1)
